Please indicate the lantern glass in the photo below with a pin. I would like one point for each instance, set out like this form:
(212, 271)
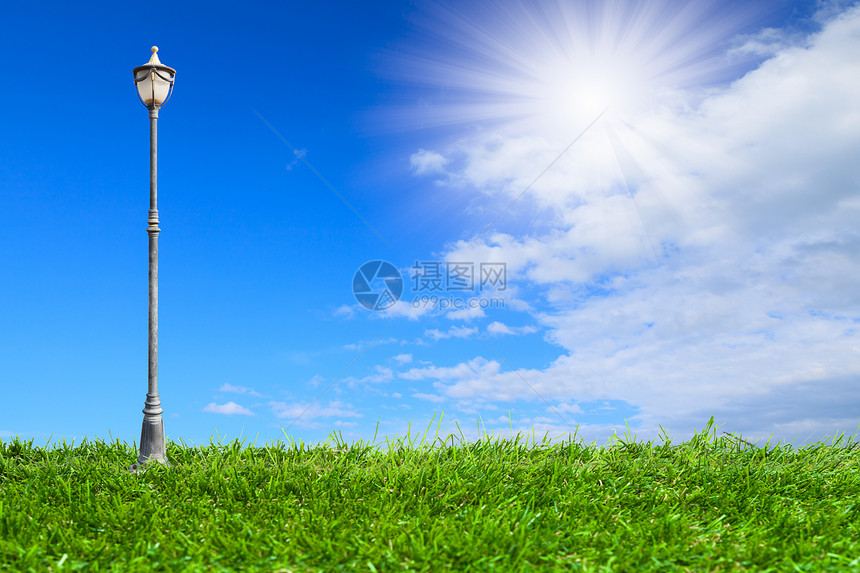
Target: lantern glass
(152, 87)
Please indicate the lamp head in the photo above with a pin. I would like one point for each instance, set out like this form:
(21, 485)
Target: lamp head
(154, 81)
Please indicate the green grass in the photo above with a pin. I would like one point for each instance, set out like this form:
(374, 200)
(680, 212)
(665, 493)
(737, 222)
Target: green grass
(710, 504)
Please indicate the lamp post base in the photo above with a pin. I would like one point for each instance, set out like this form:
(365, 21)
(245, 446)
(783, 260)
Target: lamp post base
(152, 443)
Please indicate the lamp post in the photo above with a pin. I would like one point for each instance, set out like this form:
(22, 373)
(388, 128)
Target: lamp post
(154, 83)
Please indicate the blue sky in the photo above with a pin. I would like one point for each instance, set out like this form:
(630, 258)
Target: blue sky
(671, 187)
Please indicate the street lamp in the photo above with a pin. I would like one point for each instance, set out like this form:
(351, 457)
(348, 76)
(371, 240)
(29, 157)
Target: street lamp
(154, 83)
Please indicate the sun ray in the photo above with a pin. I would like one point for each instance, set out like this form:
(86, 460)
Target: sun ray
(507, 85)
(550, 66)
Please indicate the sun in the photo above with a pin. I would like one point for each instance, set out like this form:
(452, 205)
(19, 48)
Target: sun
(567, 103)
(573, 91)
(550, 66)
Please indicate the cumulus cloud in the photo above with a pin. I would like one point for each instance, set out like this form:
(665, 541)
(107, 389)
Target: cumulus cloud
(469, 313)
(305, 414)
(238, 389)
(764, 43)
(453, 332)
(404, 309)
(229, 409)
(500, 329)
(344, 310)
(380, 374)
(707, 260)
(427, 162)
(361, 344)
(571, 408)
(403, 358)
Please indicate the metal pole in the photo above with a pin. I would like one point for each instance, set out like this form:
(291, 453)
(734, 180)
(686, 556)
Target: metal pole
(152, 444)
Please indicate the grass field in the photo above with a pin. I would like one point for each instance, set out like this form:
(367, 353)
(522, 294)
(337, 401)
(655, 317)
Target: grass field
(709, 504)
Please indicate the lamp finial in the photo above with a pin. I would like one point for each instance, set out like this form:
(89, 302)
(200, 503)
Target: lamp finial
(154, 59)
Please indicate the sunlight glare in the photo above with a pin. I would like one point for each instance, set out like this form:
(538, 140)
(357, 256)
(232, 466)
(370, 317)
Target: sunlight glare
(552, 66)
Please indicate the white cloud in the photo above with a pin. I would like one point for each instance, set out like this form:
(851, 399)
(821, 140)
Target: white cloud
(238, 390)
(403, 358)
(229, 409)
(453, 332)
(469, 313)
(466, 308)
(499, 329)
(726, 280)
(474, 370)
(572, 408)
(427, 162)
(381, 374)
(763, 43)
(402, 308)
(304, 414)
(364, 343)
(476, 406)
(344, 310)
